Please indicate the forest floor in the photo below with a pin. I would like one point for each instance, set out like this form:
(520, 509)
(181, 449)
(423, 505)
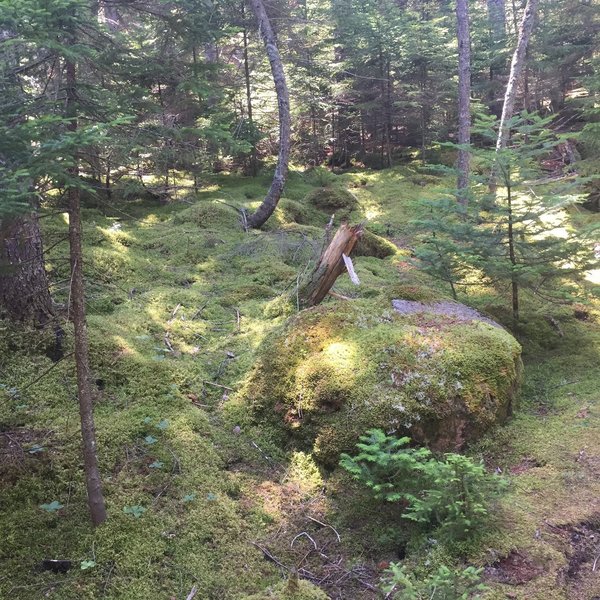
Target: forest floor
(179, 300)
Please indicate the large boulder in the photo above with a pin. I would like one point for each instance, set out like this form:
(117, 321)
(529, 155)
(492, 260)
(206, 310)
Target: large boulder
(440, 373)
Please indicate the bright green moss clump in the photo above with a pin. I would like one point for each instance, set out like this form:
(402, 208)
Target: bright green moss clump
(331, 199)
(335, 371)
(371, 244)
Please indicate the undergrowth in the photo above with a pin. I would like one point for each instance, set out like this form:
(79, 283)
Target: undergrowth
(179, 298)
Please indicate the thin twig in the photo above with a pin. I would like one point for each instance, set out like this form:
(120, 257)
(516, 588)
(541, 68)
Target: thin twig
(303, 533)
(224, 387)
(46, 371)
(112, 566)
(339, 539)
(270, 556)
(192, 593)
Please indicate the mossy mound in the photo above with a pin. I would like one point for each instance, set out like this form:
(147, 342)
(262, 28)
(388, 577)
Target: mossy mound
(371, 244)
(293, 212)
(210, 215)
(332, 199)
(302, 590)
(332, 372)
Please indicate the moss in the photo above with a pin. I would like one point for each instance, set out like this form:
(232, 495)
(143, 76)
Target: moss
(210, 215)
(293, 212)
(332, 200)
(301, 590)
(371, 244)
(334, 371)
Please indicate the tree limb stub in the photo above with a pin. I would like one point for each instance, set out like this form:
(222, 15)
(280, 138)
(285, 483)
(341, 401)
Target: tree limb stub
(330, 265)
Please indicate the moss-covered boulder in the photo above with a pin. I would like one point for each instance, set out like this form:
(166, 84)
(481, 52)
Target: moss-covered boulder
(332, 200)
(299, 590)
(440, 375)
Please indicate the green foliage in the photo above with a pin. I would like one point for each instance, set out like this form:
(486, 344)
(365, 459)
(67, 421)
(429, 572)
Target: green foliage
(449, 496)
(444, 584)
(522, 233)
(135, 511)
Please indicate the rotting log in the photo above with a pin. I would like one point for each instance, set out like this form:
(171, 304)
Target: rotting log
(330, 265)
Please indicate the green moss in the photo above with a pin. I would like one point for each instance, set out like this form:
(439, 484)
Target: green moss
(332, 372)
(301, 590)
(293, 212)
(332, 200)
(374, 245)
(210, 215)
(182, 273)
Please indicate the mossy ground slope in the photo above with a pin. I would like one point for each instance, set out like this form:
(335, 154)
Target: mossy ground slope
(179, 300)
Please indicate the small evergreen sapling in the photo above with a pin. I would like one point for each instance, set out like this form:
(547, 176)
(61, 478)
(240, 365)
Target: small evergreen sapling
(520, 234)
(449, 496)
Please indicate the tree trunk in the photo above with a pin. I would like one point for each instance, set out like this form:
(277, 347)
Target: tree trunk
(266, 209)
(253, 157)
(24, 294)
(464, 98)
(514, 284)
(497, 36)
(516, 67)
(77, 309)
(330, 265)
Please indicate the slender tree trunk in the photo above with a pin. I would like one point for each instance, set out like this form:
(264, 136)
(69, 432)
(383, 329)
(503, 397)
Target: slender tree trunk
(266, 209)
(84, 388)
(388, 112)
(510, 96)
(253, 158)
(512, 256)
(24, 294)
(464, 98)
(497, 35)
(516, 67)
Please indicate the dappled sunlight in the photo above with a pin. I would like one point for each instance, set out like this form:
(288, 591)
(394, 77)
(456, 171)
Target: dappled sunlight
(340, 355)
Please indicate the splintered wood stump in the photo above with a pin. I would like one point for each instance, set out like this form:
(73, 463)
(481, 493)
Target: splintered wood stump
(330, 265)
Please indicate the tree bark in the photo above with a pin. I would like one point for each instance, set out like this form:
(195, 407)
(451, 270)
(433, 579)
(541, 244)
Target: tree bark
(24, 294)
(253, 156)
(516, 68)
(464, 98)
(77, 309)
(330, 265)
(266, 209)
(510, 96)
(497, 35)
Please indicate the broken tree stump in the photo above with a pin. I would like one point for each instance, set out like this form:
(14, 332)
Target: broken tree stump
(330, 266)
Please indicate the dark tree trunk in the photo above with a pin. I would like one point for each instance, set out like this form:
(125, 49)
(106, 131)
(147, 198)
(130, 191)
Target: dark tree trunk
(24, 294)
(77, 311)
(266, 209)
(464, 98)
